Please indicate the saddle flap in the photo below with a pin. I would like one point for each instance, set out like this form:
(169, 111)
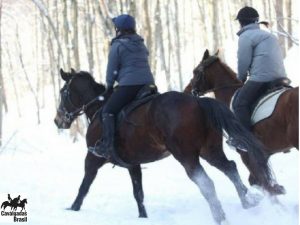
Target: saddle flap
(265, 106)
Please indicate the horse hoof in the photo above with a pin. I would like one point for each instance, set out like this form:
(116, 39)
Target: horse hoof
(73, 208)
(277, 189)
(143, 216)
(251, 199)
(224, 222)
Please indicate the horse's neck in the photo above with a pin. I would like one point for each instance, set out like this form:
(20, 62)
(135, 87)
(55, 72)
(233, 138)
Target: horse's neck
(225, 94)
(91, 110)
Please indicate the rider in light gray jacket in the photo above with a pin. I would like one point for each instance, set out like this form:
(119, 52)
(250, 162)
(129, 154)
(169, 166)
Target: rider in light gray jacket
(259, 54)
(260, 58)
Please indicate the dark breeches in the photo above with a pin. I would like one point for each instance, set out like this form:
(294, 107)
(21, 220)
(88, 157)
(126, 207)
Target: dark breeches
(122, 96)
(246, 97)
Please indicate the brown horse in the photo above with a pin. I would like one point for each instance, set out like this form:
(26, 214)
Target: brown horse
(172, 123)
(278, 133)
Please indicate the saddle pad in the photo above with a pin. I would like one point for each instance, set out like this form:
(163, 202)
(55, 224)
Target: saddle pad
(266, 105)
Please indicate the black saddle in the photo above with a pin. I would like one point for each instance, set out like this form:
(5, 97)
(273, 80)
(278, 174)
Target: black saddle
(146, 94)
(278, 84)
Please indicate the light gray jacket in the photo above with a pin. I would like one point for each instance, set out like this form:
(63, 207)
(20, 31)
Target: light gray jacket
(259, 54)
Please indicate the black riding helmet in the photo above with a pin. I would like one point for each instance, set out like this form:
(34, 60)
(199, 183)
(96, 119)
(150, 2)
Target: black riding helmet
(247, 15)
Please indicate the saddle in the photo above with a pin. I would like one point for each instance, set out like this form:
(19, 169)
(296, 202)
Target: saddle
(146, 94)
(265, 105)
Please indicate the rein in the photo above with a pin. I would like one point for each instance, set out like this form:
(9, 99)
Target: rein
(69, 116)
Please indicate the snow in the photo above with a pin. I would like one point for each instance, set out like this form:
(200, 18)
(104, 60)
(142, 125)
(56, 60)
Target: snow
(47, 168)
(43, 165)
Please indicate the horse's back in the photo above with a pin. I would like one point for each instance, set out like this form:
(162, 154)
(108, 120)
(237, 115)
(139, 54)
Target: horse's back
(281, 131)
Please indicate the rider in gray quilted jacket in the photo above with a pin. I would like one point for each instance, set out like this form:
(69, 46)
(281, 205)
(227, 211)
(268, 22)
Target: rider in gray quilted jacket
(260, 58)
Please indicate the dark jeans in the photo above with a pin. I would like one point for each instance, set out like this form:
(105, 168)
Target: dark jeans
(122, 96)
(247, 96)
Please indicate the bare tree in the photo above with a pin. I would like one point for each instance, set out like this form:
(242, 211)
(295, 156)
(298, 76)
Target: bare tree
(289, 21)
(1, 78)
(41, 6)
(75, 42)
(280, 24)
(12, 78)
(66, 33)
(27, 77)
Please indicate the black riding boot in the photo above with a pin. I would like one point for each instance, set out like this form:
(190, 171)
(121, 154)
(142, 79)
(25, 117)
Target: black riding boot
(105, 146)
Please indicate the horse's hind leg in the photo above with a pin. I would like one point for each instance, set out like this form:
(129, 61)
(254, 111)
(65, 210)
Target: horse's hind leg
(136, 178)
(92, 164)
(273, 189)
(215, 156)
(197, 174)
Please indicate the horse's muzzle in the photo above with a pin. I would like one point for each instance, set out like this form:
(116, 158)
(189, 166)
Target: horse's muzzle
(60, 123)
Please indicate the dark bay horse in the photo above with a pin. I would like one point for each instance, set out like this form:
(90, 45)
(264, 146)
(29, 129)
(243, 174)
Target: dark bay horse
(172, 123)
(278, 133)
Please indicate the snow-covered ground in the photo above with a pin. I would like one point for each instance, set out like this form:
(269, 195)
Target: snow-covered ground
(43, 165)
(47, 168)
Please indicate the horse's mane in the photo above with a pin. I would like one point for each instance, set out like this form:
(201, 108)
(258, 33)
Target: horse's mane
(231, 73)
(86, 74)
(99, 87)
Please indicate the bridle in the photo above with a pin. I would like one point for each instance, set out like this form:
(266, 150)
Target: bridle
(68, 117)
(201, 76)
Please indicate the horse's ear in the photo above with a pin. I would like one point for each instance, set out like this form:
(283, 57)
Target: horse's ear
(205, 55)
(64, 75)
(73, 71)
(217, 53)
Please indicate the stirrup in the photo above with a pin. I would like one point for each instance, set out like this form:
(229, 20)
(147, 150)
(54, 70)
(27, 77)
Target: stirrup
(102, 153)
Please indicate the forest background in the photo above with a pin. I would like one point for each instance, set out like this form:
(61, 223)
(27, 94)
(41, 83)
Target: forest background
(38, 37)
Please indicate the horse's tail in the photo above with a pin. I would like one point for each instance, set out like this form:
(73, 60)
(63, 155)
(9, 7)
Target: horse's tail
(221, 118)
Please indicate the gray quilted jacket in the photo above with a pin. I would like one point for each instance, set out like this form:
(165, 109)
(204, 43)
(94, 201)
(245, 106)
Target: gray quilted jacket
(259, 55)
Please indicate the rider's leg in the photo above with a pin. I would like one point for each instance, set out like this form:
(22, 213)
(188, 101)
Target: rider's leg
(122, 96)
(247, 96)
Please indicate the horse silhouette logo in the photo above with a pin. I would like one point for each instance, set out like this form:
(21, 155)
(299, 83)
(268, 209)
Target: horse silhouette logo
(13, 209)
(14, 203)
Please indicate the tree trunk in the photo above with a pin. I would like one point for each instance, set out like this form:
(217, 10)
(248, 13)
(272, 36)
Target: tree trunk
(75, 42)
(66, 34)
(44, 12)
(27, 77)
(289, 21)
(11, 71)
(216, 25)
(280, 21)
(1, 80)
(160, 43)
(178, 45)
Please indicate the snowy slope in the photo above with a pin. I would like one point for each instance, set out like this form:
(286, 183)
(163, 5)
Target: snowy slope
(47, 168)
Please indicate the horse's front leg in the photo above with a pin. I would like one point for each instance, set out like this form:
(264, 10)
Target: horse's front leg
(92, 164)
(136, 178)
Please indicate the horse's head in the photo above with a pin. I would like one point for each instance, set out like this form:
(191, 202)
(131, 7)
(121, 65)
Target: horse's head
(211, 75)
(24, 201)
(79, 91)
(202, 81)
